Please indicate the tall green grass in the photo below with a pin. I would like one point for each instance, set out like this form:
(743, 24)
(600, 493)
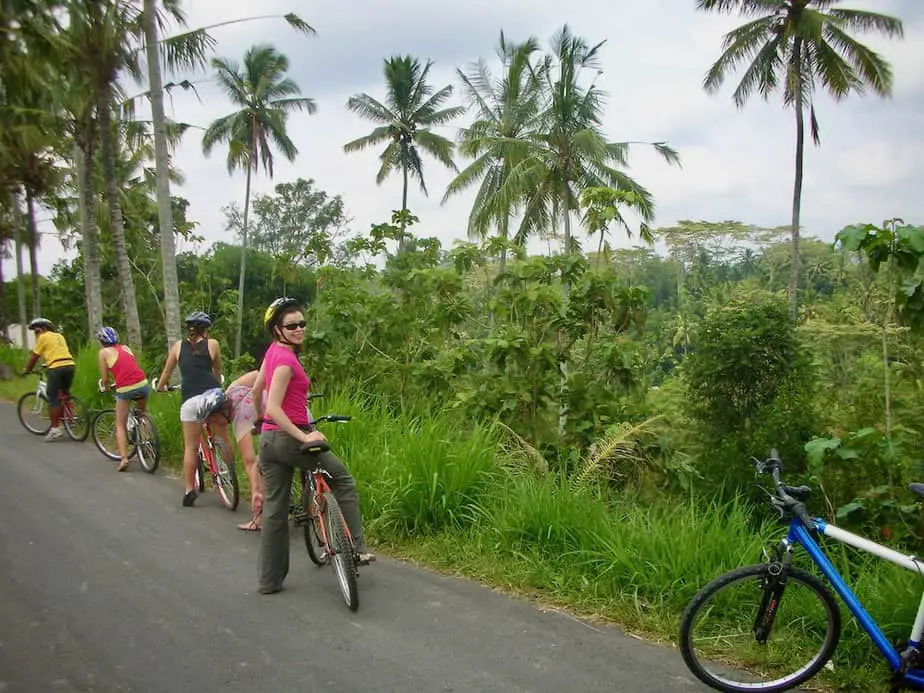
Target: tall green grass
(447, 494)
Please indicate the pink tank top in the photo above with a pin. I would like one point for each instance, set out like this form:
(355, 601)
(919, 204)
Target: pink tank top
(294, 402)
(125, 369)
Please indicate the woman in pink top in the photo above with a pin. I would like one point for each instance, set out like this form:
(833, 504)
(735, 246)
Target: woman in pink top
(131, 384)
(286, 427)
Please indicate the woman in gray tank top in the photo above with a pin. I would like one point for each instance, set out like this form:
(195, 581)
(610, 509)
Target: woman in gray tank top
(199, 359)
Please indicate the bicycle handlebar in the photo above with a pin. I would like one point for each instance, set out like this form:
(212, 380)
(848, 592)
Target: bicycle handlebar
(788, 498)
(170, 388)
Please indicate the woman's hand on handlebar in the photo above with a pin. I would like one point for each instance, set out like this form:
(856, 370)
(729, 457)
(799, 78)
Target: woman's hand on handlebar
(314, 437)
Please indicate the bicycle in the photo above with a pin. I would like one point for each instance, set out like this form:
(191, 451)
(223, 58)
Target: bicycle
(214, 456)
(763, 610)
(327, 535)
(143, 439)
(33, 406)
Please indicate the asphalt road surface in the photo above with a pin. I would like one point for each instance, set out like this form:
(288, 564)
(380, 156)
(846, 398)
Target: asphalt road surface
(108, 584)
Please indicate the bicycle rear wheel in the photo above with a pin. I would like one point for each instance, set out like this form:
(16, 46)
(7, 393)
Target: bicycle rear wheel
(726, 654)
(341, 547)
(33, 414)
(76, 420)
(314, 539)
(104, 435)
(147, 443)
(226, 477)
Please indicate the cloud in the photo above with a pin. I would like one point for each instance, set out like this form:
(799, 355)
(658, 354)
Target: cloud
(737, 164)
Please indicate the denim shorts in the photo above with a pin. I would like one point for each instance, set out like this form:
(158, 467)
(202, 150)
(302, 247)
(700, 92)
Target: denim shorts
(139, 392)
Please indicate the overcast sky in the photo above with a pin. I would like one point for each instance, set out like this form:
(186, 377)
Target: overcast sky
(737, 164)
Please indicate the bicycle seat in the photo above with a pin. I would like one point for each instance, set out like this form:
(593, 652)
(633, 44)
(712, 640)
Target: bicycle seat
(917, 489)
(319, 446)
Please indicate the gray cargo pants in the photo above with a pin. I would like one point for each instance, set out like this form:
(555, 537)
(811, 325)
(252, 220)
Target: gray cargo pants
(279, 457)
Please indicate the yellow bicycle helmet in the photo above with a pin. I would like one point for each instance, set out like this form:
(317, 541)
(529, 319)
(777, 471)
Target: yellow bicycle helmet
(275, 308)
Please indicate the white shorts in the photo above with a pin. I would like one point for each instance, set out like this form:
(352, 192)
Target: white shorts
(191, 410)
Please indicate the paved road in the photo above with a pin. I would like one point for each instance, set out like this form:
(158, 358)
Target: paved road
(107, 584)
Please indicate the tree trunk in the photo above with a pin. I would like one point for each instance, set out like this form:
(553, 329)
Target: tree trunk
(4, 322)
(797, 184)
(33, 253)
(402, 242)
(83, 156)
(123, 266)
(162, 166)
(16, 219)
(240, 282)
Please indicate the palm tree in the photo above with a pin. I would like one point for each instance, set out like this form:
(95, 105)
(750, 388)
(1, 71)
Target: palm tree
(266, 96)
(568, 151)
(98, 43)
(506, 113)
(797, 43)
(406, 119)
(185, 50)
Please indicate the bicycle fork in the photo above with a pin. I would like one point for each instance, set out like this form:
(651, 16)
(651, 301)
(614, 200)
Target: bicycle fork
(773, 588)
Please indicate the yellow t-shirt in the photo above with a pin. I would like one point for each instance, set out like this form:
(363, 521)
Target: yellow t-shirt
(52, 347)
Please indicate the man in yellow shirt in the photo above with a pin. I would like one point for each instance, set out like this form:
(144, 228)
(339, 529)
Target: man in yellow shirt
(52, 348)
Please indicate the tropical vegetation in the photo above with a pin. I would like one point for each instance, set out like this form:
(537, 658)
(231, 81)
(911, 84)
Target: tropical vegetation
(547, 422)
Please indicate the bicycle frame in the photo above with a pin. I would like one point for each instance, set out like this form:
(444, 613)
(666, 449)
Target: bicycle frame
(206, 446)
(799, 535)
(41, 395)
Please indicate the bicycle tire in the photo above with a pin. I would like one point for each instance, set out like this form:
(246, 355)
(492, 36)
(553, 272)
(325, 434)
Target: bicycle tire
(226, 482)
(77, 426)
(314, 538)
(343, 559)
(100, 431)
(29, 399)
(704, 597)
(147, 443)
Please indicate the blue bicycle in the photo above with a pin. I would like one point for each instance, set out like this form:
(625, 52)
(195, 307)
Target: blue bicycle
(739, 634)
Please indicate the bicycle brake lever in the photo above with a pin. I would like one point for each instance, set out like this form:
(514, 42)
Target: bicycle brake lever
(778, 506)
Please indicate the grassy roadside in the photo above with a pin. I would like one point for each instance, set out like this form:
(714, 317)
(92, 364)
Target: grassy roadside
(451, 500)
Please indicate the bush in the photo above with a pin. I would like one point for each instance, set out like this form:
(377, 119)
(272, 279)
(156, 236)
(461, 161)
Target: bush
(751, 383)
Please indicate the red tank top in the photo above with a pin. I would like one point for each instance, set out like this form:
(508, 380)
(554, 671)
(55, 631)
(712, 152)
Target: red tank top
(125, 370)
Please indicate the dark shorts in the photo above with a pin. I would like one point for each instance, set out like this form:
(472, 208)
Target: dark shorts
(58, 380)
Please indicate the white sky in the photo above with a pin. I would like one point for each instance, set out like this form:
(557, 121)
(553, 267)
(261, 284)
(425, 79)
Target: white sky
(736, 164)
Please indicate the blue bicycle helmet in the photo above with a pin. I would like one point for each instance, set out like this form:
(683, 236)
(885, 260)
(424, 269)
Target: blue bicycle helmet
(107, 336)
(198, 319)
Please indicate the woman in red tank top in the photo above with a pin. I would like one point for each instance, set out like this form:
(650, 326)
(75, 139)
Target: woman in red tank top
(117, 362)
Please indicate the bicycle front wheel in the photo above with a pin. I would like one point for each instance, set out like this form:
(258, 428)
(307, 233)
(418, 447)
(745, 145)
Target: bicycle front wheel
(719, 630)
(33, 414)
(147, 443)
(104, 435)
(343, 558)
(226, 477)
(76, 420)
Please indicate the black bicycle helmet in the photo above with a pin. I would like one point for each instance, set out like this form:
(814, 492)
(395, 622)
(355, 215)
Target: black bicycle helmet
(198, 319)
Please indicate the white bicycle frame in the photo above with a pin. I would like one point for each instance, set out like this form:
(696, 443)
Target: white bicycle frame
(798, 534)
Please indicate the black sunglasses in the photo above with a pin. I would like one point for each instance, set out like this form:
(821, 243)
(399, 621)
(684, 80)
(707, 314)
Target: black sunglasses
(295, 325)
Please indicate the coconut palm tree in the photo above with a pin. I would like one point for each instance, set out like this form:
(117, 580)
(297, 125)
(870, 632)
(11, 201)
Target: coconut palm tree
(405, 122)
(266, 97)
(568, 151)
(185, 50)
(507, 112)
(795, 45)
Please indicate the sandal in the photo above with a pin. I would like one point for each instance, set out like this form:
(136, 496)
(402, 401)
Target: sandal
(250, 526)
(254, 524)
(123, 466)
